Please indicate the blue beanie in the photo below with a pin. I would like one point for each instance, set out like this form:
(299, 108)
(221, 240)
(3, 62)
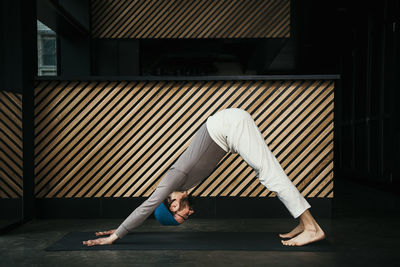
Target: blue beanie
(164, 216)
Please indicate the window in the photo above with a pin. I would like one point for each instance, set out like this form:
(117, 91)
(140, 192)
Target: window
(47, 50)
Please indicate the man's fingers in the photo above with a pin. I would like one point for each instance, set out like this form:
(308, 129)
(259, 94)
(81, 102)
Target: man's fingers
(99, 241)
(91, 242)
(88, 243)
(104, 233)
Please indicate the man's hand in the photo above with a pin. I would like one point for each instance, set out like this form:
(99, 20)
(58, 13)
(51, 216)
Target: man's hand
(101, 241)
(109, 232)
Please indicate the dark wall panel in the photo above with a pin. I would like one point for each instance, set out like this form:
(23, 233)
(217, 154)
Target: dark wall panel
(128, 57)
(370, 82)
(74, 56)
(106, 58)
(361, 148)
(347, 158)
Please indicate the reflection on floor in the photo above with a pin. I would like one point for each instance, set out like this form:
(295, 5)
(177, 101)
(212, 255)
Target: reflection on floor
(364, 231)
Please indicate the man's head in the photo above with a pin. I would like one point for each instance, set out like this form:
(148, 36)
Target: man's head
(180, 205)
(175, 209)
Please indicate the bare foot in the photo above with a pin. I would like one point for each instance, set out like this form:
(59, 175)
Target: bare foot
(297, 230)
(306, 237)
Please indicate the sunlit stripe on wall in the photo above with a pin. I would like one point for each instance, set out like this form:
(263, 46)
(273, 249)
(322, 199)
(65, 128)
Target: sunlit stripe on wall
(117, 139)
(10, 145)
(190, 19)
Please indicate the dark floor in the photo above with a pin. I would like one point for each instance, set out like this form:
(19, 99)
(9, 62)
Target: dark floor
(364, 232)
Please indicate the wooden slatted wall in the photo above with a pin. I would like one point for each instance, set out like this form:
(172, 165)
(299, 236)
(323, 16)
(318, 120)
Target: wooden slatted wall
(10, 145)
(117, 139)
(190, 19)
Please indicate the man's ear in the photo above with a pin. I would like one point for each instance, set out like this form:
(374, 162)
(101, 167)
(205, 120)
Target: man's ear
(174, 206)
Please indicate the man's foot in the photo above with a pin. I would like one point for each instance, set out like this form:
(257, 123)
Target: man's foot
(297, 230)
(306, 237)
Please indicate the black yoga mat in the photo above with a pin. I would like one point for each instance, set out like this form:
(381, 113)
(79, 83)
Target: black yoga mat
(251, 241)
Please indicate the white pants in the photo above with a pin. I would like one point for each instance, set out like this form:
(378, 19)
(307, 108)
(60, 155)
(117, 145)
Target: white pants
(252, 147)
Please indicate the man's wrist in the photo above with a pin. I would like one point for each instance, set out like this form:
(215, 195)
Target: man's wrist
(113, 237)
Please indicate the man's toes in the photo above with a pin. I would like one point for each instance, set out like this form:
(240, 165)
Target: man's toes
(290, 242)
(285, 243)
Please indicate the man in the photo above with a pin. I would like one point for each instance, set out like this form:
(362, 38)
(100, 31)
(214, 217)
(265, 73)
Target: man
(231, 130)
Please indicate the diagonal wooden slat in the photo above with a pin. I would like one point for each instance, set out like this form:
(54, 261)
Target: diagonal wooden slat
(94, 141)
(156, 16)
(11, 162)
(83, 136)
(189, 120)
(70, 124)
(328, 188)
(203, 19)
(123, 147)
(250, 110)
(276, 23)
(118, 139)
(261, 97)
(110, 141)
(138, 151)
(190, 19)
(315, 186)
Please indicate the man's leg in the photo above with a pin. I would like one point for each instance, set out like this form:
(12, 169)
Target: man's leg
(255, 152)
